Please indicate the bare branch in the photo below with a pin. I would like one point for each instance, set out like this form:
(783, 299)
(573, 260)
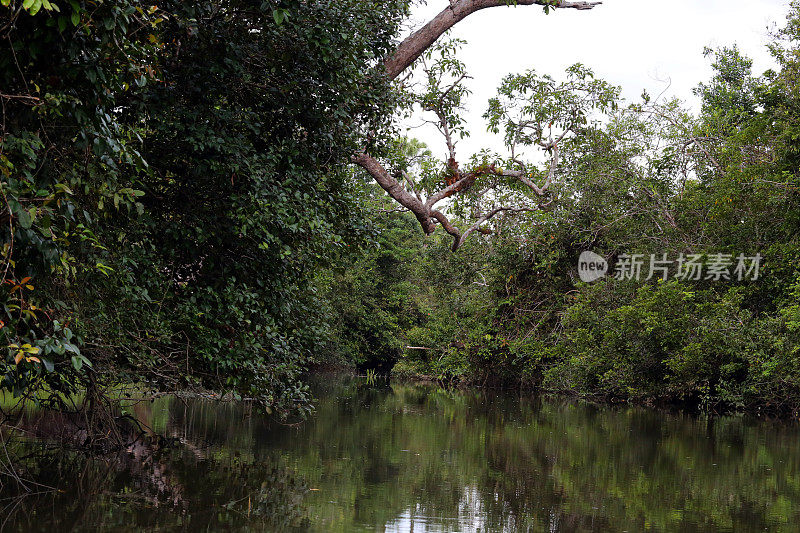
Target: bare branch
(411, 185)
(414, 46)
(553, 167)
(31, 100)
(522, 176)
(453, 86)
(459, 240)
(448, 137)
(697, 142)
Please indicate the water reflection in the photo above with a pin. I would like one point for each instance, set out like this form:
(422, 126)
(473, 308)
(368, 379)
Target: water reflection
(421, 458)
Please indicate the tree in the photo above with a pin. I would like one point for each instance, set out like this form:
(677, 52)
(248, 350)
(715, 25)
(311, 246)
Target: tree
(174, 175)
(172, 178)
(404, 56)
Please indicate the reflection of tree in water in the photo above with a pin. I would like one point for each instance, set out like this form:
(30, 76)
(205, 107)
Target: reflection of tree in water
(439, 459)
(541, 466)
(188, 485)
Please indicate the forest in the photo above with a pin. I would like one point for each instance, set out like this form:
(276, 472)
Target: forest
(216, 196)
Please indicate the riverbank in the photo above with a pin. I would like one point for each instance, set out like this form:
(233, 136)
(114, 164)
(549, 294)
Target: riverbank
(413, 372)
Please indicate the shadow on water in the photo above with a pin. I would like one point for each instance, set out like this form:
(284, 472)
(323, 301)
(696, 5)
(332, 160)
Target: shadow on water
(393, 457)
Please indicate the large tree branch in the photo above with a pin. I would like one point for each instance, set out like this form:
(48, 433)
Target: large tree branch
(414, 46)
(424, 211)
(462, 184)
(395, 190)
(407, 52)
(447, 225)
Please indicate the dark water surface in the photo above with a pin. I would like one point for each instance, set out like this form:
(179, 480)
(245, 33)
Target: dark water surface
(419, 458)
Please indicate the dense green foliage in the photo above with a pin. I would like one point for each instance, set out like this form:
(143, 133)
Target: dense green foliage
(179, 209)
(173, 175)
(648, 177)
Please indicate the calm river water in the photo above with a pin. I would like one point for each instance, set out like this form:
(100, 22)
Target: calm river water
(419, 458)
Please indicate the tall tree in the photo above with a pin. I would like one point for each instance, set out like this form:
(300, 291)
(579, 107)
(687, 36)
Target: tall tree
(462, 178)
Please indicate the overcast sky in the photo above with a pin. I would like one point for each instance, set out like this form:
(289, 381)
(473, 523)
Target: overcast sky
(637, 44)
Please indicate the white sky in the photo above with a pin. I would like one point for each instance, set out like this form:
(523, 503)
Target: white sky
(637, 44)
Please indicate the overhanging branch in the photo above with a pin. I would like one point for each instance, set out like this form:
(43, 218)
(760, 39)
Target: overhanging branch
(410, 49)
(407, 52)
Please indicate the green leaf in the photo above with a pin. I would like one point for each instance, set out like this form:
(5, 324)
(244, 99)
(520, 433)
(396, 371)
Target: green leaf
(75, 18)
(24, 219)
(279, 15)
(72, 348)
(77, 362)
(48, 364)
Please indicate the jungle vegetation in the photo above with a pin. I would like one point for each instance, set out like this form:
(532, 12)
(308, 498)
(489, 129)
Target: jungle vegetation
(215, 195)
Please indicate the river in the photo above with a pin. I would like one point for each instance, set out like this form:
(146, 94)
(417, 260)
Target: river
(417, 458)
